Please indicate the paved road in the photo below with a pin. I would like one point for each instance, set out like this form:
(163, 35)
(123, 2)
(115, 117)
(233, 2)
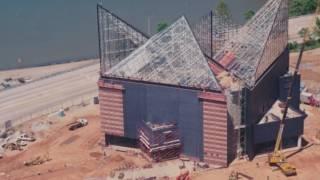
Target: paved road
(43, 94)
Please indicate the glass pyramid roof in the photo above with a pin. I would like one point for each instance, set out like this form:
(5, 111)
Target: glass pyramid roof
(171, 56)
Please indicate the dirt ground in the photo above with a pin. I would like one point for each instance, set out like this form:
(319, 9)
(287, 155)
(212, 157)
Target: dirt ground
(309, 69)
(78, 155)
(306, 161)
(75, 154)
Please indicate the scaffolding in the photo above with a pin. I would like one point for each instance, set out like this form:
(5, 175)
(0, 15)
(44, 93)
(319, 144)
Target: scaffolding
(117, 38)
(172, 57)
(160, 141)
(258, 44)
(212, 31)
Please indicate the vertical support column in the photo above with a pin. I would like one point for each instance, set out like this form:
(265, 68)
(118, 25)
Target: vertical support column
(215, 128)
(111, 108)
(211, 34)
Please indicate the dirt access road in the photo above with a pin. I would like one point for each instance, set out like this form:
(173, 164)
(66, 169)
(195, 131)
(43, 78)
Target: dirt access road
(75, 154)
(309, 69)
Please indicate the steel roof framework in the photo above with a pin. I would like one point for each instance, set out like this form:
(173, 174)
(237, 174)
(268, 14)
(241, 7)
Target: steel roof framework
(171, 56)
(213, 31)
(117, 38)
(259, 42)
(176, 55)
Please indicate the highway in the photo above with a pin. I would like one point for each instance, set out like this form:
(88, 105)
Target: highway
(44, 94)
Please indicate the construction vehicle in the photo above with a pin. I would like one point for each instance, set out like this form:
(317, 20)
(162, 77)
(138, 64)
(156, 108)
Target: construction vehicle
(78, 124)
(277, 158)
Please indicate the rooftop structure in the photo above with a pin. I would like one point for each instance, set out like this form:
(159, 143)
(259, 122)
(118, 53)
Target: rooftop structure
(172, 56)
(212, 31)
(117, 38)
(259, 42)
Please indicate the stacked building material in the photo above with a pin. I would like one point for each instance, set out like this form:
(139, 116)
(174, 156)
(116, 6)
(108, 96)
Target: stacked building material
(160, 141)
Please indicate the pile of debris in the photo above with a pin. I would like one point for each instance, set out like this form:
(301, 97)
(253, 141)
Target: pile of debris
(310, 98)
(37, 160)
(126, 165)
(12, 140)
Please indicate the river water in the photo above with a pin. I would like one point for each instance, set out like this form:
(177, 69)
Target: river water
(41, 32)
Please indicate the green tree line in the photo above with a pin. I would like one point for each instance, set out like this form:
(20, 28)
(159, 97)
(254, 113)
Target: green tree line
(302, 7)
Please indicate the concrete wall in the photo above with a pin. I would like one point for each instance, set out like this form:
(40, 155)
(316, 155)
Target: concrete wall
(159, 103)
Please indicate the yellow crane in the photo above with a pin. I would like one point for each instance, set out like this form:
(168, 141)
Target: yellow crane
(277, 158)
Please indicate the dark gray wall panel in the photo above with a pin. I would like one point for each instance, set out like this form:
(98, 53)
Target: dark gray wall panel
(263, 95)
(268, 132)
(159, 103)
(284, 88)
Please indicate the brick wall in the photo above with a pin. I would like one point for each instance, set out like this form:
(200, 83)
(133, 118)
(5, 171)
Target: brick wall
(111, 108)
(215, 128)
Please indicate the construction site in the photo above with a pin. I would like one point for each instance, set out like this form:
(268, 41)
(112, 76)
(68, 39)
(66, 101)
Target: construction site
(207, 100)
(221, 84)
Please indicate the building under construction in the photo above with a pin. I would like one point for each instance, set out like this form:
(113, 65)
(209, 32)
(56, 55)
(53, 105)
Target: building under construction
(210, 90)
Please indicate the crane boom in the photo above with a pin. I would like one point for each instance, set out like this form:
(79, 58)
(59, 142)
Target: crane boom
(277, 158)
(296, 70)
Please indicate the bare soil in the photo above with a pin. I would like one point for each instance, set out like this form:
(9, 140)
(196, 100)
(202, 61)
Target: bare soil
(309, 69)
(75, 154)
(306, 161)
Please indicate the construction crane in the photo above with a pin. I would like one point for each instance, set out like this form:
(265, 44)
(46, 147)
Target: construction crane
(277, 158)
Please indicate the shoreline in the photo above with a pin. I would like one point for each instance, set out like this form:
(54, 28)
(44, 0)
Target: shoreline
(56, 62)
(12, 77)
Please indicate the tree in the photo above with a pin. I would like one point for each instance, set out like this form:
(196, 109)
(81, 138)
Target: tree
(303, 32)
(161, 26)
(293, 46)
(222, 9)
(316, 29)
(249, 14)
(302, 7)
